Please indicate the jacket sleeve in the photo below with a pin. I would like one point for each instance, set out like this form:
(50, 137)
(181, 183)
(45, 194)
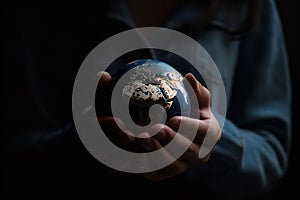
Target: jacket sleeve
(253, 152)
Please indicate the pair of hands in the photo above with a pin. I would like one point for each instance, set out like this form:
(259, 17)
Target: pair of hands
(206, 124)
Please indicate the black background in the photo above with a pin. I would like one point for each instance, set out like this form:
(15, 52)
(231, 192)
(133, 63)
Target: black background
(289, 13)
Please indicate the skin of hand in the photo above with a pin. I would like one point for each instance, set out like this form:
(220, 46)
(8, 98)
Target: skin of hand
(206, 124)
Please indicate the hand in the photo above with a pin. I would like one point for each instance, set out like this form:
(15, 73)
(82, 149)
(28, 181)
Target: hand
(110, 124)
(206, 124)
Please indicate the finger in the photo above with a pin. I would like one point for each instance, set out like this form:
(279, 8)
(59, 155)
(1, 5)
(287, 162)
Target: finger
(212, 137)
(208, 133)
(201, 92)
(144, 141)
(115, 130)
(111, 122)
(102, 97)
(190, 156)
(166, 134)
(176, 167)
(193, 129)
(179, 141)
(162, 133)
(104, 78)
(151, 144)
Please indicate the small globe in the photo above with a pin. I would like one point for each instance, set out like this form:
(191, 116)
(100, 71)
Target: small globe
(152, 82)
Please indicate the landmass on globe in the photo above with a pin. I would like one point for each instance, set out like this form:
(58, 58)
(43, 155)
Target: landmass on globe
(147, 87)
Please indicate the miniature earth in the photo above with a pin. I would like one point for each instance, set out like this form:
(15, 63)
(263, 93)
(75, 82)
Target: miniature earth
(154, 82)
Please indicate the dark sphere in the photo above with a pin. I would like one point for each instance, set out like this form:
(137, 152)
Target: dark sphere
(151, 82)
(141, 84)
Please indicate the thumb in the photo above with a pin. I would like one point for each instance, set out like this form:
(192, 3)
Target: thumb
(104, 78)
(201, 92)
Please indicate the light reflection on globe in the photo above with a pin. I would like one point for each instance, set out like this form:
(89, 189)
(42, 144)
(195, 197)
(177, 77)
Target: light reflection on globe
(154, 82)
